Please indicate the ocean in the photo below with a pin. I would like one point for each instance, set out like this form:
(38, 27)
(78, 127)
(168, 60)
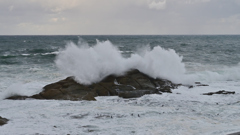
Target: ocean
(28, 63)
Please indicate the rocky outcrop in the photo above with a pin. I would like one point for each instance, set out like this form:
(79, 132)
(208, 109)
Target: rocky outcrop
(3, 121)
(197, 84)
(132, 84)
(17, 97)
(67, 89)
(220, 92)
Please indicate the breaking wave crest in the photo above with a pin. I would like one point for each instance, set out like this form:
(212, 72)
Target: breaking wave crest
(219, 73)
(92, 64)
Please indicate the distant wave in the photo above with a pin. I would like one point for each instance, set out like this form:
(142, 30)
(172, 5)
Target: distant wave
(50, 53)
(27, 55)
(7, 56)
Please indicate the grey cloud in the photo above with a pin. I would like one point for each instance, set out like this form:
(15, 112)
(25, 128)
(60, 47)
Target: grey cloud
(158, 5)
(119, 17)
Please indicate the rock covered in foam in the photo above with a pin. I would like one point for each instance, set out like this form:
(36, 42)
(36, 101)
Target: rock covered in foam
(131, 85)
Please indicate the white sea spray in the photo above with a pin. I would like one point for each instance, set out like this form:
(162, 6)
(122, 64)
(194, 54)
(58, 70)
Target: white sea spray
(92, 64)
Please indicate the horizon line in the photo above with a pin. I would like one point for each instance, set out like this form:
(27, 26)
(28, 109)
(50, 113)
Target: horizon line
(121, 35)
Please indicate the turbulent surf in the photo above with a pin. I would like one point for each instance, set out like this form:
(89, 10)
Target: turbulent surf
(28, 63)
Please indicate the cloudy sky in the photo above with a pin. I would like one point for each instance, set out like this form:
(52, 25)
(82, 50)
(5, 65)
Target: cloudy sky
(96, 17)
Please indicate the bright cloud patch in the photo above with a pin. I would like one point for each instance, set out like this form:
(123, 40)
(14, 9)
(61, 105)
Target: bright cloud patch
(158, 5)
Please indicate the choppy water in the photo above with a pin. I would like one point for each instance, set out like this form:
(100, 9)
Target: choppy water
(27, 63)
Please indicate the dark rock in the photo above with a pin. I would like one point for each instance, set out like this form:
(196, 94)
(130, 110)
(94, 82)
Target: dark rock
(220, 92)
(197, 84)
(202, 85)
(17, 97)
(37, 96)
(131, 85)
(190, 86)
(67, 89)
(165, 85)
(237, 133)
(3, 121)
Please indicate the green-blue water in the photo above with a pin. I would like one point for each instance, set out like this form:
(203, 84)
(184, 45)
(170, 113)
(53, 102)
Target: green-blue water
(27, 58)
(222, 50)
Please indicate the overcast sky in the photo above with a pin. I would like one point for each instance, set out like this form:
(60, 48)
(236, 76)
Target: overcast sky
(96, 17)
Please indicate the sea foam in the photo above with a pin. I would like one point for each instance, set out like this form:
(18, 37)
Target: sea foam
(219, 73)
(92, 64)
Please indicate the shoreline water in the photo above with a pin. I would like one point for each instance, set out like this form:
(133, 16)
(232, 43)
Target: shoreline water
(212, 59)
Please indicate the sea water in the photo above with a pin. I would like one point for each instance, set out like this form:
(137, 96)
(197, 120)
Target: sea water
(28, 63)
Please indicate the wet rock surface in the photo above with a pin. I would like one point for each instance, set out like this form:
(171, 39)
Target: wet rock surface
(237, 133)
(17, 97)
(197, 84)
(3, 121)
(131, 85)
(220, 92)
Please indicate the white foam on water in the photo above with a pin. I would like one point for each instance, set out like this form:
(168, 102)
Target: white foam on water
(23, 89)
(24, 54)
(50, 53)
(26, 80)
(220, 73)
(150, 114)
